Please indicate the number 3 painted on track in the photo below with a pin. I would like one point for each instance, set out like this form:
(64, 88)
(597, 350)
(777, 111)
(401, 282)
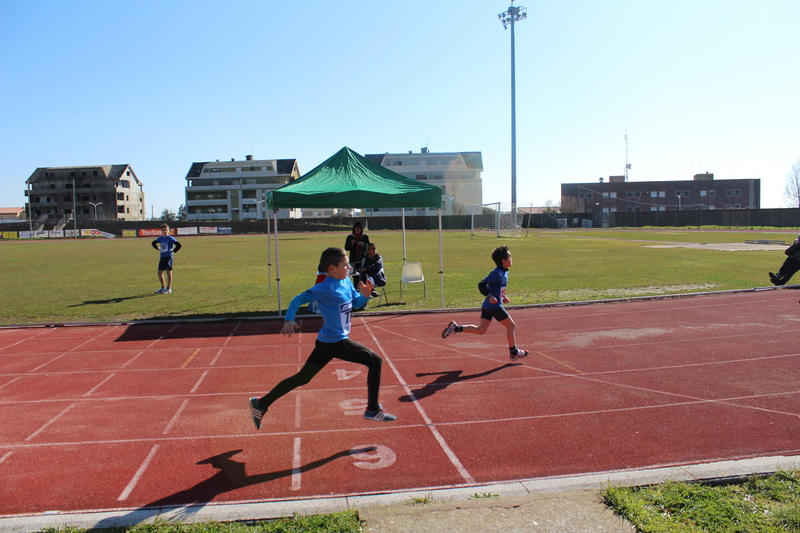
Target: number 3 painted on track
(378, 456)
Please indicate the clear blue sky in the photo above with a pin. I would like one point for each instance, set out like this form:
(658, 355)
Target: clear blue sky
(697, 85)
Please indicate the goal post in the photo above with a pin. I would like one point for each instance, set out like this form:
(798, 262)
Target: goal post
(484, 217)
(492, 218)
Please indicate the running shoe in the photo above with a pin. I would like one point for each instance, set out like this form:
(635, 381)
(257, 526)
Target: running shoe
(379, 415)
(166, 291)
(256, 411)
(519, 354)
(449, 330)
(161, 290)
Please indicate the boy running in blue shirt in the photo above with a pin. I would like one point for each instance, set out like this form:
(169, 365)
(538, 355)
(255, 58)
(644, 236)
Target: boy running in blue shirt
(493, 287)
(336, 298)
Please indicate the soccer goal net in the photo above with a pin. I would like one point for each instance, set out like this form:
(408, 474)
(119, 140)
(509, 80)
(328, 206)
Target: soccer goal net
(491, 218)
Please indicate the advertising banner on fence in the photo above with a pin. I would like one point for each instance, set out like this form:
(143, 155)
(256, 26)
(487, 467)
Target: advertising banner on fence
(10, 235)
(154, 232)
(206, 229)
(187, 231)
(225, 231)
(57, 234)
(129, 233)
(96, 233)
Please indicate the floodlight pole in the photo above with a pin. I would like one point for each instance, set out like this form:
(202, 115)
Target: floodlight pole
(508, 18)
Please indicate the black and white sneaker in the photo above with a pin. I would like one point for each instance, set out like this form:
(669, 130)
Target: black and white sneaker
(519, 354)
(449, 330)
(256, 411)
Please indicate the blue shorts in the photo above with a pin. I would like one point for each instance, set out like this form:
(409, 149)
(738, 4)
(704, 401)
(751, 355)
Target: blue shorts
(497, 313)
(165, 263)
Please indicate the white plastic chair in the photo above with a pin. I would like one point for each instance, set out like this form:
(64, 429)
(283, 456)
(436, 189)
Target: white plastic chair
(412, 273)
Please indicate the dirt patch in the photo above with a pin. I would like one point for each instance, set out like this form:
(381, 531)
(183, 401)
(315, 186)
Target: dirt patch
(593, 294)
(722, 246)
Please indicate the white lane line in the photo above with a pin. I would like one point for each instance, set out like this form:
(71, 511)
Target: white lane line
(10, 382)
(199, 381)
(49, 422)
(47, 363)
(214, 361)
(133, 359)
(138, 475)
(94, 389)
(175, 418)
(428, 422)
(296, 464)
(6, 456)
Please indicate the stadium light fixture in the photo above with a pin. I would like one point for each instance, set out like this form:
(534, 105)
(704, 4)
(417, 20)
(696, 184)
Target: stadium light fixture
(95, 209)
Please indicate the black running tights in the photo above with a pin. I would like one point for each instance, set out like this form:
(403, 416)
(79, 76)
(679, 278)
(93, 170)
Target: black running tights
(346, 350)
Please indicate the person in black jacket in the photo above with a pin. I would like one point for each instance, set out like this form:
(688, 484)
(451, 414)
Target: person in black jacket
(356, 243)
(373, 268)
(789, 266)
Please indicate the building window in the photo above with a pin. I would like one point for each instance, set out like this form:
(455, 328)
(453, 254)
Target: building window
(703, 193)
(712, 193)
(662, 194)
(438, 177)
(629, 208)
(588, 196)
(687, 194)
(728, 192)
(421, 177)
(94, 173)
(629, 194)
(737, 192)
(605, 195)
(248, 194)
(613, 195)
(678, 193)
(637, 194)
(653, 194)
(581, 196)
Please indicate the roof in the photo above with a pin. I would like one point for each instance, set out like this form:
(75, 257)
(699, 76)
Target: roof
(350, 180)
(110, 172)
(283, 166)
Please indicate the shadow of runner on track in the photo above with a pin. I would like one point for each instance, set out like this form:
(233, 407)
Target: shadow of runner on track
(446, 379)
(231, 476)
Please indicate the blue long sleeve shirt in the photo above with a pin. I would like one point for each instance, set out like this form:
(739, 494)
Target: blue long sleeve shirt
(336, 299)
(496, 283)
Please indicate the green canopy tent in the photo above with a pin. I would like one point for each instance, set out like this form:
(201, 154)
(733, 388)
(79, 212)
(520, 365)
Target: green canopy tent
(349, 180)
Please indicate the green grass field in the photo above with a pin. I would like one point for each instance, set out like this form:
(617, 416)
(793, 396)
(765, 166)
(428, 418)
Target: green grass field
(91, 280)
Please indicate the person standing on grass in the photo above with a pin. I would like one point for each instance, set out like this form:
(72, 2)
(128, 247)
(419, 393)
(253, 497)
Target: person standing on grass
(168, 246)
(336, 298)
(493, 287)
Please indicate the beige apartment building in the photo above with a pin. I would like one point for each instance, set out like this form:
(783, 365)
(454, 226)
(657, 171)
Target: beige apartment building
(95, 192)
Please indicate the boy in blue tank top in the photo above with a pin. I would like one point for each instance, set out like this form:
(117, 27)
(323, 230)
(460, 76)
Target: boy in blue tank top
(493, 287)
(336, 298)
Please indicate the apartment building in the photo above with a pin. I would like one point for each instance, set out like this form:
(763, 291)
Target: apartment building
(457, 173)
(702, 192)
(99, 192)
(237, 190)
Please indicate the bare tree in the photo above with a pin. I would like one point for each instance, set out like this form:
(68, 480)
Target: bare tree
(791, 192)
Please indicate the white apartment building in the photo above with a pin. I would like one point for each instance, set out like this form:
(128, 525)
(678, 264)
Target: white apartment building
(237, 190)
(457, 173)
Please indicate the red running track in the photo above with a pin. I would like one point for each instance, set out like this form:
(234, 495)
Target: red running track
(150, 416)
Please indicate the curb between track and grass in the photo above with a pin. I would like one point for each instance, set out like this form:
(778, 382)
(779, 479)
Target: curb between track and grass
(179, 320)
